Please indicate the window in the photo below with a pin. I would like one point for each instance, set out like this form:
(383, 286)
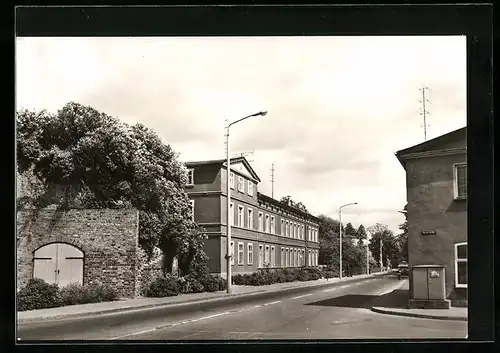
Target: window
(250, 253)
(287, 258)
(461, 265)
(241, 250)
(191, 202)
(267, 224)
(287, 229)
(261, 249)
(282, 227)
(266, 255)
(273, 225)
(261, 222)
(231, 180)
(250, 218)
(250, 188)
(190, 177)
(303, 232)
(273, 256)
(241, 186)
(300, 257)
(282, 257)
(460, 181)
(308, 233)
(309, 257)
(231, 213)
(241, 216)
(232, 253)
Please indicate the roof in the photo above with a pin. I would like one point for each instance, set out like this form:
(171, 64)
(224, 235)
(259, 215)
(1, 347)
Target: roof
(222, 162)
(278, 203)
(450, 141)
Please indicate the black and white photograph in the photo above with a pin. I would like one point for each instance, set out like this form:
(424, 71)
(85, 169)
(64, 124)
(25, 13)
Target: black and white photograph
(241, 188)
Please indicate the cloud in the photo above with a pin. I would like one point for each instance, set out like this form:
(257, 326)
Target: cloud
(338, 107)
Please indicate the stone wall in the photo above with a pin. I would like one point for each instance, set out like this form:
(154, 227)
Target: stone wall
(108, 239)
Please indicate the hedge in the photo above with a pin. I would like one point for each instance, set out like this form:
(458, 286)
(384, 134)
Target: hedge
(282, 275)
(170, 285)
(38, 294)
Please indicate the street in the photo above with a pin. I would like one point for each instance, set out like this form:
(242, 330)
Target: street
(337, 311)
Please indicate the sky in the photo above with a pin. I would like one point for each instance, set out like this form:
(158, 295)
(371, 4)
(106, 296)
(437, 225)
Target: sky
(338, 107)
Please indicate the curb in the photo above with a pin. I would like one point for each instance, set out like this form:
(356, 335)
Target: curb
(417, 315)
(186, 302)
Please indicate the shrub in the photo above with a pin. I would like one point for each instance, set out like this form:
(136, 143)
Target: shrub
(210, 283)
(190, 284)
(222, 283)
(38, 294)
(238, 279)
(303, 275)
(75, 293)
(162, 286)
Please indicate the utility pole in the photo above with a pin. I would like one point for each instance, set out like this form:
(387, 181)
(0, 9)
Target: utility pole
(272, 180)
(424, 112)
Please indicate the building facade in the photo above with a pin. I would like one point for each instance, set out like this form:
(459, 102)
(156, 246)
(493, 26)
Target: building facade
(436, 182)
(264, 231)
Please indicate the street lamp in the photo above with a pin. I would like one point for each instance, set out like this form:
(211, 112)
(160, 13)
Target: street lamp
(228, 227)
(340, 232)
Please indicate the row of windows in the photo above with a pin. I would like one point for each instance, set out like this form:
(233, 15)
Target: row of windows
(267, 224)
(267, 256)
(241, 184)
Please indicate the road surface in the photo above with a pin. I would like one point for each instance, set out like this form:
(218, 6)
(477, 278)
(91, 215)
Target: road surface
(337, 311)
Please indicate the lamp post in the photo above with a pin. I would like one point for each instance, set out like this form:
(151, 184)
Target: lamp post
(228, 197)
(340, 233)
(367, 260)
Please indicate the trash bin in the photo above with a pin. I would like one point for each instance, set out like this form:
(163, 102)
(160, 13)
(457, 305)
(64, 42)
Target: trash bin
(429, 282)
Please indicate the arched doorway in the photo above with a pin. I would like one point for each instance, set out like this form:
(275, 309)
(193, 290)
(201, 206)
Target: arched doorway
(58, 263)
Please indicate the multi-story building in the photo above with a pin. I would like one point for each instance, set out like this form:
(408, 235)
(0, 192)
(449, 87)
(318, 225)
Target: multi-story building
(264, 231)
(436, 183)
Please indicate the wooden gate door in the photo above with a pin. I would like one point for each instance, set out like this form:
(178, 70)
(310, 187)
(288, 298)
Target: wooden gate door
(44, 263)
(58, 263)
(69, 265)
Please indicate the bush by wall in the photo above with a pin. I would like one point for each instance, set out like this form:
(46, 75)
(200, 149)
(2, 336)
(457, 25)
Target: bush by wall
(162, 286)
(75, 293)
(38, 294)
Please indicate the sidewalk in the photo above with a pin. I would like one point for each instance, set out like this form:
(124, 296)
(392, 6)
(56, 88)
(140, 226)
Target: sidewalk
(396, 302)
(182, 299)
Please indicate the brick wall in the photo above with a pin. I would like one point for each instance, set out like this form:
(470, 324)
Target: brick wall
(108, 239)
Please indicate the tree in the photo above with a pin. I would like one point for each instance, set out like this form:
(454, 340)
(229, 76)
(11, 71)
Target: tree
(380, 233)
(287, 200)
(99, 162)
(361, 234)
(353, 257)
(402, 238)
(349, 231)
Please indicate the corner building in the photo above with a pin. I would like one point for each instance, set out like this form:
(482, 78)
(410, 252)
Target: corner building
(264, 231)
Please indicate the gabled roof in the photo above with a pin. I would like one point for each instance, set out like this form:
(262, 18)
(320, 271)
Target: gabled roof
(453, 140)
(222, 162)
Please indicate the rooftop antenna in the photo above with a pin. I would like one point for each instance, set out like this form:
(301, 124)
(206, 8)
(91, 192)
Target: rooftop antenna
(272, 180)
(245, 154)
(424, 112)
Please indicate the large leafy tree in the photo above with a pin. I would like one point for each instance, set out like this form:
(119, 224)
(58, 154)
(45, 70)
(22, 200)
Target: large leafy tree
(100, 162)
(287, 200)
(390, 250)
(353, 256)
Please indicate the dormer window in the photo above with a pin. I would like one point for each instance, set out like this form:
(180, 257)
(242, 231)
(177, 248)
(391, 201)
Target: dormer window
(241, 186)
(231, 180)
(190, 177)
(250, 188)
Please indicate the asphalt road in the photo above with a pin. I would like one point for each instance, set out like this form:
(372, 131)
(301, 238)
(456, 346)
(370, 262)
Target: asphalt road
(337, 311)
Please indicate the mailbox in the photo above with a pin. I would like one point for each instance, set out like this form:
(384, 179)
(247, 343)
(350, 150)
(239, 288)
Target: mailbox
(428, 282)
